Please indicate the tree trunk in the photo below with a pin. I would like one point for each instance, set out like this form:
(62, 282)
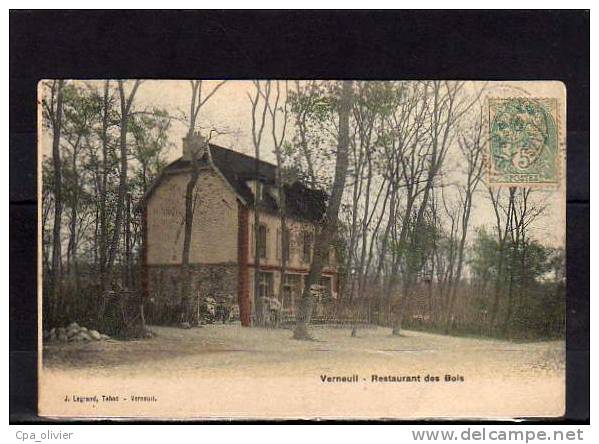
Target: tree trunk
(123, 181)
(257, 129)
(103, 185)
(128, 273)
(56, 241)
(327, 231)
(190, 306)
(284, 238)
(258, 302)
(188, 313)
(72, 245)
(107, 285)
(400, 308)
(458, 276)
(396, 308)
(502, 240)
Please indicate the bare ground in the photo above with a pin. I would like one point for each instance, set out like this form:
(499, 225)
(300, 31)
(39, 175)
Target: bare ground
(234, 372)
(232, 348)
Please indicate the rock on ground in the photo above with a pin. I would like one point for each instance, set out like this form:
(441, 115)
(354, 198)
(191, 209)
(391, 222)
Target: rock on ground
(81, 336)
(73, 333)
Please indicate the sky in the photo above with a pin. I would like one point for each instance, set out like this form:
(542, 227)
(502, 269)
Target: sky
(229, 110)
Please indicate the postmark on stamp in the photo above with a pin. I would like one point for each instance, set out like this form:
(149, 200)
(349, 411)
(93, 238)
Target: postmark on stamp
(523, 148)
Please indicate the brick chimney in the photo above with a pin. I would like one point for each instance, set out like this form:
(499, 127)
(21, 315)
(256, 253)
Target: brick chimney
(193, 143)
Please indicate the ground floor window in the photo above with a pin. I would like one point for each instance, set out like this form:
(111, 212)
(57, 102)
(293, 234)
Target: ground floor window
(308, 240)
(265, 284)
(292, 287)
(326, 282)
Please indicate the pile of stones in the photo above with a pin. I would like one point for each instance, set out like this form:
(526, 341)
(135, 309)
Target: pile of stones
(73, 333)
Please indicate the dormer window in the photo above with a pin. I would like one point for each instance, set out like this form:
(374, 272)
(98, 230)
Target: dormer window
(257, 190)
(260, 191)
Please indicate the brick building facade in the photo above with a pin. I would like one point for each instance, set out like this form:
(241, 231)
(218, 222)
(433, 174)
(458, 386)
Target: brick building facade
(223, 245)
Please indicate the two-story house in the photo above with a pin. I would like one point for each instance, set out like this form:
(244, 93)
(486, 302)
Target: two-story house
(223, 243)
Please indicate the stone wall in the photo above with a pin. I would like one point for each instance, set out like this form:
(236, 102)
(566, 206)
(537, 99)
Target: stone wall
(218, 281)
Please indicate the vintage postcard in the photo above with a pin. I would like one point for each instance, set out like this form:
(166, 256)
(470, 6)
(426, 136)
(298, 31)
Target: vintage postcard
(301, 249)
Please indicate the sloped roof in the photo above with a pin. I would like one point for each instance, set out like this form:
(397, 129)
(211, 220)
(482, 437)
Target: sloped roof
(237, 168)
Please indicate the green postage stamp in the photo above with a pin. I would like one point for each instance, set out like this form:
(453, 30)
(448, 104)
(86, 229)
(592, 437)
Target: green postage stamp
(523, 141)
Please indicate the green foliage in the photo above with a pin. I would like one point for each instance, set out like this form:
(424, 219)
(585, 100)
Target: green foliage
(149, 141)
(311, 150)
(526, 262)
(315, 103)
(422, 239)
(378, 98)
(484, 256)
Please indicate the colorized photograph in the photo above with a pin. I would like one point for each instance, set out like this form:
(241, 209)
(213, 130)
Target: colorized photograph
(301, 249)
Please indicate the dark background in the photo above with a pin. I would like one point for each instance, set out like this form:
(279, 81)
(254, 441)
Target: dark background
(397, 45)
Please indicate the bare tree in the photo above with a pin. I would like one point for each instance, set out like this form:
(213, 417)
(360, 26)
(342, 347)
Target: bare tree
(81, 113)
(502, 230)
(301, 125)
(407, 155)
(103, 184)
(328, 228)
(261, 98)
(369, 110)
(279, 111)
(472, 150)
(525, 212)
(515, 212)
(445, 105)
(196, 144)
(446, 255)
(54, 111)
(400, 134)
(126, 102)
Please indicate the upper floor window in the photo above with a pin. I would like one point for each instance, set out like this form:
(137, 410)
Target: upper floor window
(286, 245)
(326, 256)
(283, 245)
(261, 241)
(307, 246)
